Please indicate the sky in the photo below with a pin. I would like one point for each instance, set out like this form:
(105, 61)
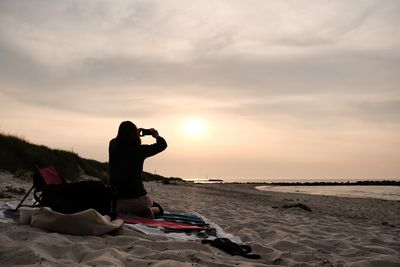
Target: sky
(255, 90)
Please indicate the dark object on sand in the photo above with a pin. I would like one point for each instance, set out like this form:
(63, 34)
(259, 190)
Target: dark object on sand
(388, 224)
(5, 195)
(297, 205)
(231, 248)
(75, 197)
(15, 190)
(51, 190)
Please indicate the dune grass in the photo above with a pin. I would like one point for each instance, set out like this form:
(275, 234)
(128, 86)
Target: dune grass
(19, 157)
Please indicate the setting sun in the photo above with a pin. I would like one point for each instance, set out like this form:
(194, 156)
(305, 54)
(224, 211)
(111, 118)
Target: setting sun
(194, 127)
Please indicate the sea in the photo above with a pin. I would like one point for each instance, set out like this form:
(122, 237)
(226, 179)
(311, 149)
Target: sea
(358, 191)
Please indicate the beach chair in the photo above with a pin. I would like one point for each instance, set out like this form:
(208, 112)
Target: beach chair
(42, 177)
(52, 190)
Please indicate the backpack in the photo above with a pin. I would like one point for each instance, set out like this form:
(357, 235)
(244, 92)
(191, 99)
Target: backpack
(75, 197)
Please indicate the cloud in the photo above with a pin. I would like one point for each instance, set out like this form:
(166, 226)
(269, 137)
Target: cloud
(115, 83)
(79, 55)
(318, 80)
(340, 71)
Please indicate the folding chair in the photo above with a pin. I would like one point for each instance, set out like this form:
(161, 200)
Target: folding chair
(42, 177)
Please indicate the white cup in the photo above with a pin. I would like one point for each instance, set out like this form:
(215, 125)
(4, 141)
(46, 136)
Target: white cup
(25, 214)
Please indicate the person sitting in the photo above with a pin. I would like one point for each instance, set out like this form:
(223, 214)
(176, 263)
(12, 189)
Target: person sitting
(126, 158)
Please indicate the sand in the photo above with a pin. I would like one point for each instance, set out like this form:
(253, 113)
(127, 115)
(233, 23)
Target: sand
(337, 232)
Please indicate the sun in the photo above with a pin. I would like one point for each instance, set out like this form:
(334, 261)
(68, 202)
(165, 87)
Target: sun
(194, 127)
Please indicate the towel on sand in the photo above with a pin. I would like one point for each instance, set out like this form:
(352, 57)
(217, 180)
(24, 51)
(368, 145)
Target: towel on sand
(87, 222)
(183, 236)
(161, 223)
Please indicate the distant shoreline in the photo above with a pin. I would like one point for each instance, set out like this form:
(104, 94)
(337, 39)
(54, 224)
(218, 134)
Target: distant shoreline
(298, 183)
(374, 183)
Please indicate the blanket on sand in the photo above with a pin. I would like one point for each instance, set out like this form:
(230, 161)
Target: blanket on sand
(88, 222)
(150, 229)
(186, 227)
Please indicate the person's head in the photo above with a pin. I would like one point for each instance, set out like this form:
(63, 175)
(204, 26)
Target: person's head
(128, 134)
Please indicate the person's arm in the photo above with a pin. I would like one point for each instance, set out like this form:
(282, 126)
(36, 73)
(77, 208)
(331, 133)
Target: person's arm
(160, 145)
(111, 163)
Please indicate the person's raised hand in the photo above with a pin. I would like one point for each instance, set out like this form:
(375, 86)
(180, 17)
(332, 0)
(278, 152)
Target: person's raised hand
(154, 133)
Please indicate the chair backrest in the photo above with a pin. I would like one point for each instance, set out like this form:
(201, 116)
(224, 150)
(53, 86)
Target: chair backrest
(50, 176)
(46, 176)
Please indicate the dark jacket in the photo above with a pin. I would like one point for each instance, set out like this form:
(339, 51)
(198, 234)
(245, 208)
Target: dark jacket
(126, 166)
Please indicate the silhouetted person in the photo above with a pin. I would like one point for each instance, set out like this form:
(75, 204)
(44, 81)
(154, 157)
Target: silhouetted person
(126, 158)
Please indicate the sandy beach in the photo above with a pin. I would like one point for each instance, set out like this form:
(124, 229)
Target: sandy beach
(336, 232)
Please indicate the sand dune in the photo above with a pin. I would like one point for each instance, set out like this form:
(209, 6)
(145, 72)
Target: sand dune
(337, 232)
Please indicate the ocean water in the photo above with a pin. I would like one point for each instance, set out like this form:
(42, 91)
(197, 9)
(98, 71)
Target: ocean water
(362, 191)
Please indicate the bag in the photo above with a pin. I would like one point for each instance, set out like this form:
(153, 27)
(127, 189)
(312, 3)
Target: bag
(88, 222)
(79, 196)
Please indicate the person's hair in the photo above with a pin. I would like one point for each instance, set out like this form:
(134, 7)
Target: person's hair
(128, 134)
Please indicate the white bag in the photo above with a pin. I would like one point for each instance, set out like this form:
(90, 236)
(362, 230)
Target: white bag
(87, 222)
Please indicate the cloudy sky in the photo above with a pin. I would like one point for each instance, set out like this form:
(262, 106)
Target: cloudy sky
(283, 89)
